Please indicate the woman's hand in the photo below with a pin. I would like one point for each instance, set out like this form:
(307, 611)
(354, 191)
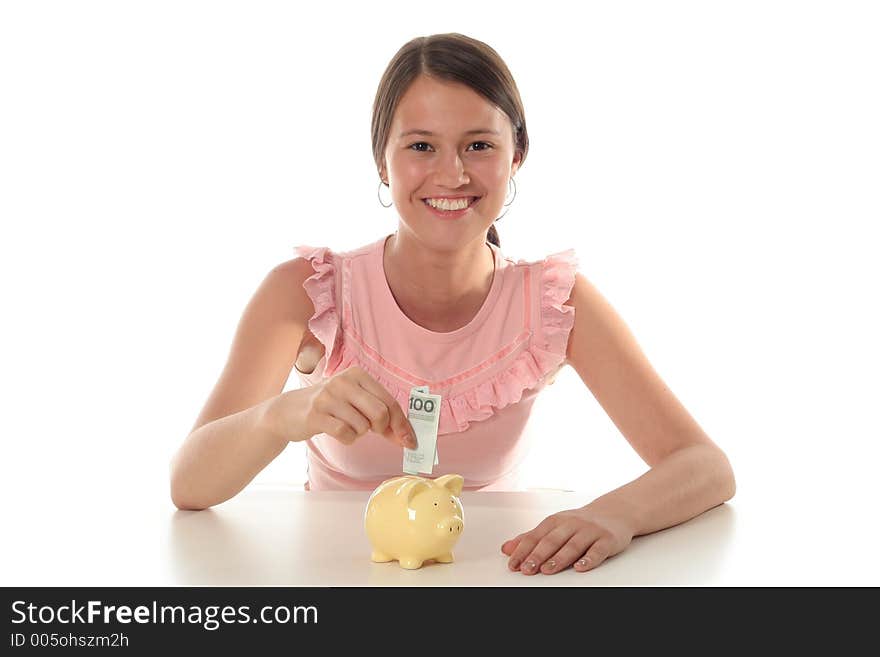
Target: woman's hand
(345, 406)
(584, 537)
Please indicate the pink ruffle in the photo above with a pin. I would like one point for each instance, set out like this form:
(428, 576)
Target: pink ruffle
(543, 355)
(321, 288)
(557, 281)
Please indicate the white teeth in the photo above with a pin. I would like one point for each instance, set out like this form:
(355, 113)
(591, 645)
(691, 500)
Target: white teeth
(446, 204)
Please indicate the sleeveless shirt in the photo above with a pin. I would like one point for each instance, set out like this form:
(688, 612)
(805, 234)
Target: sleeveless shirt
(487, 372)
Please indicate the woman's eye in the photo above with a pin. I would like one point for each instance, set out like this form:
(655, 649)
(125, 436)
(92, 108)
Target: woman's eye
(422, 143)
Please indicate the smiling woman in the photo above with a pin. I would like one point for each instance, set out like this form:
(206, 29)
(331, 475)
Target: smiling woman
(448, 122)
(437, 304)
(453, 169)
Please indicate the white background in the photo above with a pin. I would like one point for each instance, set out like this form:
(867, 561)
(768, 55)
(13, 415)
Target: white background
(714, 165)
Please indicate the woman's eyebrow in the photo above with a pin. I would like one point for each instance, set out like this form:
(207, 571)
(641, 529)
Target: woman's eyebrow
(478, 131)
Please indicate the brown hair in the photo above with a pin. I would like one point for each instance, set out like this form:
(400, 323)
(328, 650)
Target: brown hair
(456, 58)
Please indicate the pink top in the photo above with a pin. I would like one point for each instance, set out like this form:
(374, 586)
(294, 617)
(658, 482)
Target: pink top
(487, 372)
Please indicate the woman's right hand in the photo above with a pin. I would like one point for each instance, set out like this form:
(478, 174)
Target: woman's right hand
(345, 406)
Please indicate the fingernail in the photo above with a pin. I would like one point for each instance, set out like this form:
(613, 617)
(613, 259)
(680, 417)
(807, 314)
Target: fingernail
(550, 565)
(529, 565)
(583, 563)
(514, 564)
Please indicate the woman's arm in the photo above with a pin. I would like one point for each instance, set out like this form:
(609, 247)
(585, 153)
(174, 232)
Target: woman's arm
(689, 473)
(683, 485)
(220, 458)
(234, 437)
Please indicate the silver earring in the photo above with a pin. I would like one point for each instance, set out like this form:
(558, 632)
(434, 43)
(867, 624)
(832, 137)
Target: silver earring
(511, 200)
(382, 182)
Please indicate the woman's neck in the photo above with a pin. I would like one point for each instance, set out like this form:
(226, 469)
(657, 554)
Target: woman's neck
(440, 291)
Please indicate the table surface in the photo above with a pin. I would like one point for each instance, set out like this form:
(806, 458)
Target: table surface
(318, 539)
(284, 536)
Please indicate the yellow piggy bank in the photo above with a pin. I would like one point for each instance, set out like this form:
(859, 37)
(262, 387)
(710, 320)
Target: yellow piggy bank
(413, 519)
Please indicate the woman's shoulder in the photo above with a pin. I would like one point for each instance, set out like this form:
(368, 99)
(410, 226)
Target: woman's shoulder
(284, 283)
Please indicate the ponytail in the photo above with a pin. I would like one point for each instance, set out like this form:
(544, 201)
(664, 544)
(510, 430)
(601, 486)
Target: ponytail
(492, 236)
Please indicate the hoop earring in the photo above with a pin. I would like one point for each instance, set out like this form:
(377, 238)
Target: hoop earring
(382, 182)
(511, 200)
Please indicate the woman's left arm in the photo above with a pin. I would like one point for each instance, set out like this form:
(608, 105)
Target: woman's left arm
(688, 473)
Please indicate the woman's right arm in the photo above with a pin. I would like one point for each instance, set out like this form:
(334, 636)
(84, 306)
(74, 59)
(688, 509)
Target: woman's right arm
(248, 420)
(234, 437)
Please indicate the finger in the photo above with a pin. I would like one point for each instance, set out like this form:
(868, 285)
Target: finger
(336, 417)
(376, 412)
(353, 423)
(397, 419)
(598, 552)
(338, 429)
(546, 548)
(348, 413)
(528, 541)
(573, 549)
(509, 546)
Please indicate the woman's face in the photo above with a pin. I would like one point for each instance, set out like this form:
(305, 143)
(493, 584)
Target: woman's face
(469, 152)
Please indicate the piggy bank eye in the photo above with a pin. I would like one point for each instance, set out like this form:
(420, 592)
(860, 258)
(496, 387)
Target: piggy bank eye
(435, 504)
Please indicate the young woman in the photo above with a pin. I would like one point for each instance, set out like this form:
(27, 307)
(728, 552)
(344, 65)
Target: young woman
(437, 303)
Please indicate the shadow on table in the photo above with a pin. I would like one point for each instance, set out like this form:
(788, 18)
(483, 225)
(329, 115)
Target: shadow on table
(216, 547)
(261, 540)
(206, 548)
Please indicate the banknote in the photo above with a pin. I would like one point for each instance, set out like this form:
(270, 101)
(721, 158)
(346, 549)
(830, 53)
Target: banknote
(424, 416)
(425, 390)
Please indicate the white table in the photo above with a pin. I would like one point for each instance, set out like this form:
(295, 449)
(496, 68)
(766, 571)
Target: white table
(285, 536)
(101, 534)
(297, 538)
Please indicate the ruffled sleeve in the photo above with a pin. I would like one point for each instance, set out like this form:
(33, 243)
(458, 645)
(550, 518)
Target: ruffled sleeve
(557, 281)
(542, 358)
(321, 288)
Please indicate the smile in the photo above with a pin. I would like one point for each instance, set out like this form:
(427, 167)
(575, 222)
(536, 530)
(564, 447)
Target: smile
(450, 203)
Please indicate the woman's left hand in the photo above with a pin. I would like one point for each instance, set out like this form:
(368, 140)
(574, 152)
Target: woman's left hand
(584, 537)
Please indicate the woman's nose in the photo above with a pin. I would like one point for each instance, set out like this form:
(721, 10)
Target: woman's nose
(450, 171)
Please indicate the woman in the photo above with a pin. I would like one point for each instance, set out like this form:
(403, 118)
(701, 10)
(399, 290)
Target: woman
(437, 304)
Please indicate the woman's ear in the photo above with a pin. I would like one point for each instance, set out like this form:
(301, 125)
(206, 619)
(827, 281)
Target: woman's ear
(517, 160)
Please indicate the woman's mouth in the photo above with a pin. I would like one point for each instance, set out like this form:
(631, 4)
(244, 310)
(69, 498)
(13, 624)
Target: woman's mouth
(451, 208)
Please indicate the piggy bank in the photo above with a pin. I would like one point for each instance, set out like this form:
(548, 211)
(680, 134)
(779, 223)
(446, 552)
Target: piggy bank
(413, 519)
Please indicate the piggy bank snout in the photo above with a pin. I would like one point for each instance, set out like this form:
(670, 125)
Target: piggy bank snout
(451, 526)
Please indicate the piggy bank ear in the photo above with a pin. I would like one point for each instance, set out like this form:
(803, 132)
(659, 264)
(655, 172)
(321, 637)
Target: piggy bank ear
(415, 487)
(452, 482)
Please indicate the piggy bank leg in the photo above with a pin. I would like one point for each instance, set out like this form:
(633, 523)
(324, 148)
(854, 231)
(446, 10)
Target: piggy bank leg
(380, 557)
(410, 563)
(445, 558)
